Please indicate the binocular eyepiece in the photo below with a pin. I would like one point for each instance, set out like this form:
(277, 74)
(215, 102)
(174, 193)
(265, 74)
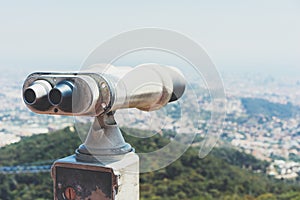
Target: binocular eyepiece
(42, 96)
(146, 87)
(61, 95)
(37, 93)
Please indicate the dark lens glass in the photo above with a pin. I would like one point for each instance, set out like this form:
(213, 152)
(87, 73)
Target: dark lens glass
(29, 96)
(55, 96)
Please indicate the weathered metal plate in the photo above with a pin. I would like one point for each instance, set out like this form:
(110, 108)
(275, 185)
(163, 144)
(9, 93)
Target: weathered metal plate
(79, 182)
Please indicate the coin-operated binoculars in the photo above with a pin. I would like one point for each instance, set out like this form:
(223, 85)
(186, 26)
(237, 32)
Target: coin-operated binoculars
(104, 167)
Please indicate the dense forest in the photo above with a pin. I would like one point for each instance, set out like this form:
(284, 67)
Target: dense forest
(224, 174)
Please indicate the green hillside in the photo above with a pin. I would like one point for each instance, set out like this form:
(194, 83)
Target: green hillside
(218, 176)
(256, 107)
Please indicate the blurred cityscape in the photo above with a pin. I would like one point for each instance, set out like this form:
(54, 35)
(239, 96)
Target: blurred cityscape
(263, 119)
(269, 130)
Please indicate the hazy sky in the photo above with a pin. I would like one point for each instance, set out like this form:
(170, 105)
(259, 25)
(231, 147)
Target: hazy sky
(253, 35)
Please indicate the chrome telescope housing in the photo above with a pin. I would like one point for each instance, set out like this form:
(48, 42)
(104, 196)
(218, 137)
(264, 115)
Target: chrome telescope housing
(146, 87)
(98, 92)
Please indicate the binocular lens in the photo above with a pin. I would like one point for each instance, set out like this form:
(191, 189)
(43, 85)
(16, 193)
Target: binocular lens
(29, 96)
(55, 96)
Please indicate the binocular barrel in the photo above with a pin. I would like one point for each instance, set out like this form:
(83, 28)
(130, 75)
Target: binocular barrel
(146, 87)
